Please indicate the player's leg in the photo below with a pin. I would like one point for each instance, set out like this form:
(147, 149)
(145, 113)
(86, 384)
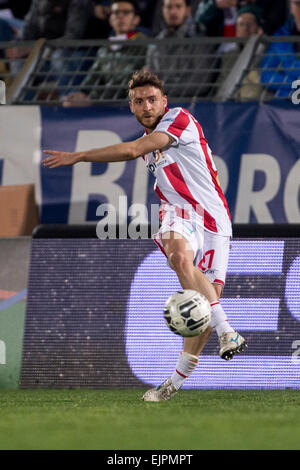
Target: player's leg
(195, 344)
(181, 259)
(180, 256)
(213, 263)
(193, 348)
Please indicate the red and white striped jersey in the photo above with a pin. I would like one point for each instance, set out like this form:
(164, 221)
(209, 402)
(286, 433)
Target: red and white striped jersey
(186, 174)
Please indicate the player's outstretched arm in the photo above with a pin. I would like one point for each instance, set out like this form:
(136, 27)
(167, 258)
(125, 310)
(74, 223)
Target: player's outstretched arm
(60, 158)
(114, 153)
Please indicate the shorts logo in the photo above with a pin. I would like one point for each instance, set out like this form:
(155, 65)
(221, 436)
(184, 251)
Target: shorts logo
(189, 230)
(209, 271)
(206, 262)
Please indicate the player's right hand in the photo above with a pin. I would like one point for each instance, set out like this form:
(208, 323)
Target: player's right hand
(57, 159)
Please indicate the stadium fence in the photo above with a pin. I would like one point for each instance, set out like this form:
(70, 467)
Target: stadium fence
(194, 69)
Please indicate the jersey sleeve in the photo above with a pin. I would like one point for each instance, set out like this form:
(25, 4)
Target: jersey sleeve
(175, 123)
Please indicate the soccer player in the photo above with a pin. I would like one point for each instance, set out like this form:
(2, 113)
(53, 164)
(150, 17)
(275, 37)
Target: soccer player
(195, 227)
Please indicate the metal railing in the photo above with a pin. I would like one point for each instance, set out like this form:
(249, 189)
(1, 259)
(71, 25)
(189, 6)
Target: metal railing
(92, 72)
(10, 63)
(272, 70)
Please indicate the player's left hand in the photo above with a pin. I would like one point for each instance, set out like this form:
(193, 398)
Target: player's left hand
(57, 159)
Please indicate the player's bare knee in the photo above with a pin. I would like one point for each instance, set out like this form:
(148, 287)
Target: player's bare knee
(179, 262)
(174, 260)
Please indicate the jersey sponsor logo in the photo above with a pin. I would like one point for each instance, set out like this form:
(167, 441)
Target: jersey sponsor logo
(158, 160)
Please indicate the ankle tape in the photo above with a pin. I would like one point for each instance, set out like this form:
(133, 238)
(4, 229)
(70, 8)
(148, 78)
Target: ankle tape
(190, 357)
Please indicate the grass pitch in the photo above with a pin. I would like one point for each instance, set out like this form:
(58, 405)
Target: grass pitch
(120, 420)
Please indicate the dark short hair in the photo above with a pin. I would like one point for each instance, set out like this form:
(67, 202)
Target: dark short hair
(144, 78)
(255, 10)
(187, 2)
(132, 2)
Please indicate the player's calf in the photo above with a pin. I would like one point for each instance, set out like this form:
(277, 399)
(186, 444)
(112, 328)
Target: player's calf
(184, 368)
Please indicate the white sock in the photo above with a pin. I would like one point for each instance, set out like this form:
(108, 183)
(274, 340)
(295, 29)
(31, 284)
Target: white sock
(219, 319)
(185, 365)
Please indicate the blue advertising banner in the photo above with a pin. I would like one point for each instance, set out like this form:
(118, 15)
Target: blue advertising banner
(256, 149)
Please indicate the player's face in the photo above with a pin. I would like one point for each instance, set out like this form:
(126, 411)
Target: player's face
(148, 105)
(175, 12)
(123, 18)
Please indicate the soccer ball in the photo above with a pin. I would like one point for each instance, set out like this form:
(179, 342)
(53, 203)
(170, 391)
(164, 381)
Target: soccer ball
(187, 313)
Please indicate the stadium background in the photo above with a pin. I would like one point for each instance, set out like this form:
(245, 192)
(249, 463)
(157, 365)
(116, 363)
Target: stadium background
(256, 147)
(74, 315)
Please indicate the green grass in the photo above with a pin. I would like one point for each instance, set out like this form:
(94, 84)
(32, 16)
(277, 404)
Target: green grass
(119, 419)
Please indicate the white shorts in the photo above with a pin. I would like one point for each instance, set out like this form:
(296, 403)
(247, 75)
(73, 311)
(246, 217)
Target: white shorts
(211, 251)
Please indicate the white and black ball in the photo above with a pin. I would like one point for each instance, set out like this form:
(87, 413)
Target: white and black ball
(187, 313)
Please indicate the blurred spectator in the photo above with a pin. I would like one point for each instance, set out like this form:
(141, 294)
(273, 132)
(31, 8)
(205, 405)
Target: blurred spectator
(6, 34)
(146, 9)
(6, 31)
(14, 11)
(18, 8)
(184, 68)
(53, 19)
(158, 22)
(114, 64)
(69, 61)
(98, 26)
(282, 56)
(219, 16)
(274, 14)
(10, 30)
(249, 23)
